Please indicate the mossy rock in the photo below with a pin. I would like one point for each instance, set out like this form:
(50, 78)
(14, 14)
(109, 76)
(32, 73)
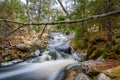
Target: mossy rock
(116, 79)
(94, 66)
(113, 72)
(69, 74)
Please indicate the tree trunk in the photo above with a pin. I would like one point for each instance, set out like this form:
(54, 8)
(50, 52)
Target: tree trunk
(75, 3)
(39, 11)
(66, 12)
(108, 24)
(28, 14)
(28, 11)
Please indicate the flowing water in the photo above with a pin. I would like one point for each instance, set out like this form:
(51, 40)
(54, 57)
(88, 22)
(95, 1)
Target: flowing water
(49, 63)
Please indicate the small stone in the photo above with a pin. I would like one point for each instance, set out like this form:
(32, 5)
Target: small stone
(102, 76)
(82, 76)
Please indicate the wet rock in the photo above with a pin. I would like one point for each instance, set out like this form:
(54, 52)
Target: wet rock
(59, 55)
(37, 53)
(102, 76)
(87, 66)
(82, 76)
(65, 55)
(72, 71)
(64, 47)
(10, 62)
(78, 57)
(69, 74)
(45, 56)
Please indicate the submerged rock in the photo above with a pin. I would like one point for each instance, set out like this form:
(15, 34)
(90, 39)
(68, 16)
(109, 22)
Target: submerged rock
(37, 53)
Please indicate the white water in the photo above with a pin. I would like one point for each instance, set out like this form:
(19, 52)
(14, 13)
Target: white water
(46, 70)
(38, 71)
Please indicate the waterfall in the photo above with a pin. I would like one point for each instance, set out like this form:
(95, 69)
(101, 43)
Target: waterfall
(48, 63)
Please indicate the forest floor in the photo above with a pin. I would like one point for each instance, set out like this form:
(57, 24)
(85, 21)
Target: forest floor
(21, 44)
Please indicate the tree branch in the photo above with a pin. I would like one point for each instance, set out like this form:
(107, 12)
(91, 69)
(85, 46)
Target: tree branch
(43, 30)
(67, 22)
(17, 29)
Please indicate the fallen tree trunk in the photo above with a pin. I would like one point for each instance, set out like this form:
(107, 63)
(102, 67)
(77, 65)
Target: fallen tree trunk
(66, 22)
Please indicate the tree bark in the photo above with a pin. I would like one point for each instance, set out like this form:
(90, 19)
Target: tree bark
(28, 11)
(39, 11)
(75, 3)
(108, 24)
(28, 14)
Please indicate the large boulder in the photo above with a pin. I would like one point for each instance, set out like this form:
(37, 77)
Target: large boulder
(96, 66)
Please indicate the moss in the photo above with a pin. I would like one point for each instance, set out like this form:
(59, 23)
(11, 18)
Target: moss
(116, 79)
(113, 72)
(96, 43)
(69, 75)
(95, 54)
(116, 70)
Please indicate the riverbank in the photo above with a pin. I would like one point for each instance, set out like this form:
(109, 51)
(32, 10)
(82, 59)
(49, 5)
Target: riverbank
(99, 64)
(21, 44)
(95, 44)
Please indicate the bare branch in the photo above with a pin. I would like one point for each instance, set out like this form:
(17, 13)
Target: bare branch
(16, 29)
(66, 22)
(43, 30)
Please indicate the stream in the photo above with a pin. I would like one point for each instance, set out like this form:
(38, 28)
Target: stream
(49, 63)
